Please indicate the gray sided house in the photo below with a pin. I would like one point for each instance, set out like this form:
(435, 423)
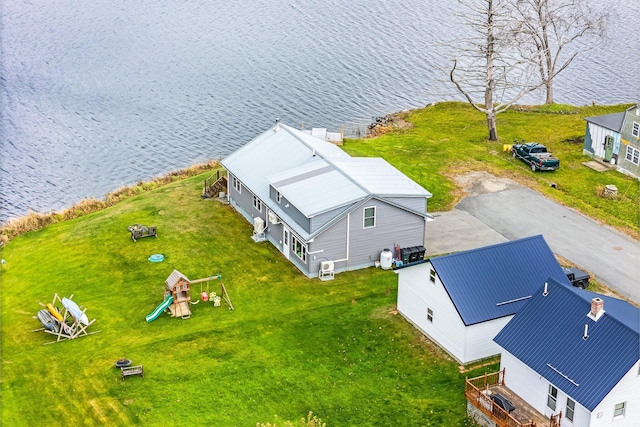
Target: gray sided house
(615, 138)
(323, 209)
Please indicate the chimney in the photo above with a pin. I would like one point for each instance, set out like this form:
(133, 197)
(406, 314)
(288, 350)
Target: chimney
(597, 308)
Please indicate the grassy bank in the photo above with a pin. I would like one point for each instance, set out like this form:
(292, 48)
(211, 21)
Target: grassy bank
(292, 345)
(38, 220)
(450, 138)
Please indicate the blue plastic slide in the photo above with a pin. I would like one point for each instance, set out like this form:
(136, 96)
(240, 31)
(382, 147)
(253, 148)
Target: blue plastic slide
(159, 309)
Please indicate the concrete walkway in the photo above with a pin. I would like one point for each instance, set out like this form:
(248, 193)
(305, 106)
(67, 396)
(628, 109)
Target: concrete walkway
(509, 212)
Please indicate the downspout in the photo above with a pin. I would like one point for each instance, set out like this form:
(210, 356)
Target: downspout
(347, 246)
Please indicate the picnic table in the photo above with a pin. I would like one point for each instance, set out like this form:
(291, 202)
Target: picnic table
(139, 231)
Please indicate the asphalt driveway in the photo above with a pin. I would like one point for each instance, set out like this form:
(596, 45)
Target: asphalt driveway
(503, 210)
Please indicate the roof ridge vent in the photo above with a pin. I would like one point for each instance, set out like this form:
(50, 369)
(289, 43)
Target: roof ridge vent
(586, 332)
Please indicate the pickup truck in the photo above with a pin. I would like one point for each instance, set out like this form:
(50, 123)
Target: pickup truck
(536, 155)
(577, 277)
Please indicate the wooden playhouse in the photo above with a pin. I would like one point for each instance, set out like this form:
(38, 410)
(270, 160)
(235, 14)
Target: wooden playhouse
(179, 287)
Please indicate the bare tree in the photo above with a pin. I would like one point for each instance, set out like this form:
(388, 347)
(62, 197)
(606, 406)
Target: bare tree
(548, 28)
(490, 62)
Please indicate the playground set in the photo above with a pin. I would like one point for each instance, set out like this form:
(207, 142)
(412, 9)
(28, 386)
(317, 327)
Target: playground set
(177, 296)
(67, 323)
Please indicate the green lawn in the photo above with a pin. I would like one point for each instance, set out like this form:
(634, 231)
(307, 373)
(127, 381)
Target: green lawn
(292, 345)
(450, 138)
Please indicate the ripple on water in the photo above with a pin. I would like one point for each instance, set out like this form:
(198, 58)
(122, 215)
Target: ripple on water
(101, 94)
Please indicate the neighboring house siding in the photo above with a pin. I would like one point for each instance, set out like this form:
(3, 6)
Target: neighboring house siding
(364, 245)
(527, 384)
(274, 235)
(533, 389)
(331, 245)
(598, 135)
(628, 162)
(392, 226)
(416, 294)
(243, 201)
(479, 339)
(626, 139)
(322, 219)
(626, 166)
(588, 141)
(418, 204)
(627, 390)
(297, 216)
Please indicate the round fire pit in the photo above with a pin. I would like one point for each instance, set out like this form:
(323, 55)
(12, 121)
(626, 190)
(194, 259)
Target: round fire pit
(123, 363)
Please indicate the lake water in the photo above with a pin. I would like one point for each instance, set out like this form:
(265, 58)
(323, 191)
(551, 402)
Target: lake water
(103, 93)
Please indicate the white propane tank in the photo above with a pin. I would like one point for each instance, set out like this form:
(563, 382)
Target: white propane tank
(385, 259)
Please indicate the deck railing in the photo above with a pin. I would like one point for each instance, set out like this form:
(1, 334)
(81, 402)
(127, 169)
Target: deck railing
(474, 392)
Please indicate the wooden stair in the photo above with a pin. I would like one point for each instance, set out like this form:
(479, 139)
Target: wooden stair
(215, 184)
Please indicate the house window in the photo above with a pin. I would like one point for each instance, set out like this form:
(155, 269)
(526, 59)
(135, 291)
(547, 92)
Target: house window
(571, 409)
(635, 129)
(633, 155)
(552, 398)
(278, 197)
(370, 217)
(257, 203)
(299, 249)
(618, 410)
(236, 184)
(430, 315)
(432, 275)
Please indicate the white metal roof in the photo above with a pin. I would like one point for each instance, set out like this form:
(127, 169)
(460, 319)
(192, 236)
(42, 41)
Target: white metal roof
(377, 176)
(316, 176)
(319, 191)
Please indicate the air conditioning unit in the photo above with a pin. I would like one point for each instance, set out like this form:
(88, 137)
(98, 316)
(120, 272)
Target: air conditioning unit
(273, 218)
(326, 266)
(258, 225)
(326, 270)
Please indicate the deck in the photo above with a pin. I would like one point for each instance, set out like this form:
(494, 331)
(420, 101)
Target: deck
(478, 391)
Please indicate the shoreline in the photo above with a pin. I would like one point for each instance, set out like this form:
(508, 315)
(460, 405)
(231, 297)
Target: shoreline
(17, 226)
(380, 126)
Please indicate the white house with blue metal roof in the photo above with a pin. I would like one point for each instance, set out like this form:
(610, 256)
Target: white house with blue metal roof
(578, 352)
(462, 300)
(323, 209)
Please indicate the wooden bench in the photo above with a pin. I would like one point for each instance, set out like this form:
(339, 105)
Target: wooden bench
(132, 370)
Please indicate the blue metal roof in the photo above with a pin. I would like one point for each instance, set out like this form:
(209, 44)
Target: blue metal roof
(496, 281)
(547, 336)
